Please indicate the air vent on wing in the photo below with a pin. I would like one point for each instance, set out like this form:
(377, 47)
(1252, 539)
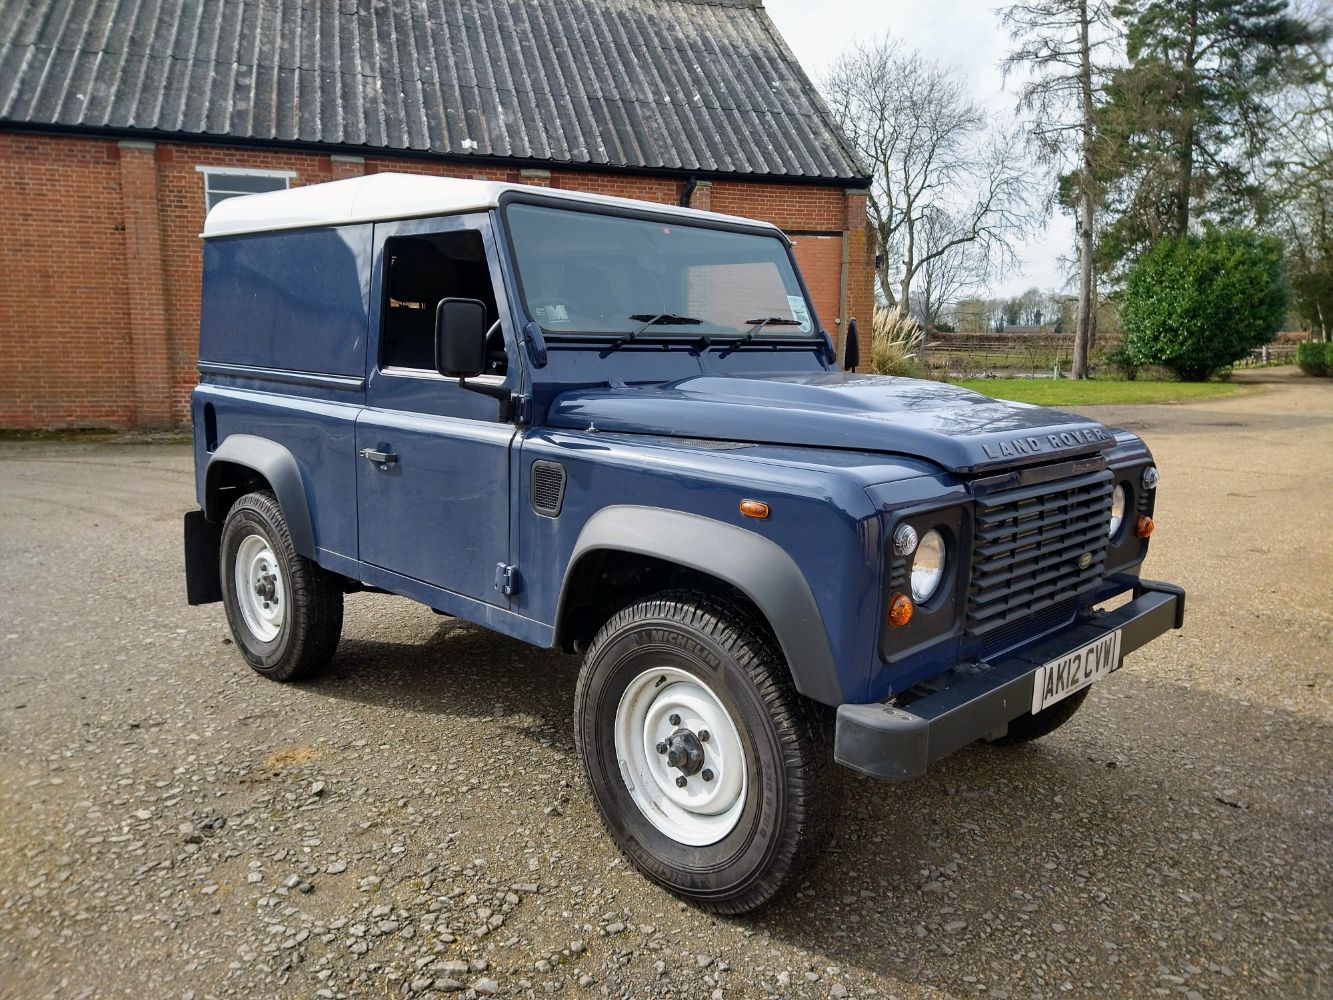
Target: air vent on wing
(548, 488)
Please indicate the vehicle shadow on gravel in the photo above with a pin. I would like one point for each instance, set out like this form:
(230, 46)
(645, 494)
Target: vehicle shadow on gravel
(1082, 858)
(1093, 856)
(465, 672)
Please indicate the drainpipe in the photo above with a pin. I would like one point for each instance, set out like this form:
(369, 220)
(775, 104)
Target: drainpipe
(842, 296)
(688, 193)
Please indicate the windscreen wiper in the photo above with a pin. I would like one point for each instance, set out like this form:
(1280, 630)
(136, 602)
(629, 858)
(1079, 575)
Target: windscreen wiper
(654, 319)
(759, 324)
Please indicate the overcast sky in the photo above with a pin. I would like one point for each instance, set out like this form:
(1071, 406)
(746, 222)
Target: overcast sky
(963, 34)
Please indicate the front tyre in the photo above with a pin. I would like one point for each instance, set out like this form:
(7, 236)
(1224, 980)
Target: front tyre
(285, 611)
(708, 769)
(1029, 727)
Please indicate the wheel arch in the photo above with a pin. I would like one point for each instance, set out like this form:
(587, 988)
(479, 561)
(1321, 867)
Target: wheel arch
(244, 461)
(753, 565)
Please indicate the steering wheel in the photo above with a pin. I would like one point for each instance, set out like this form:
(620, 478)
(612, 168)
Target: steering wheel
(497, 359)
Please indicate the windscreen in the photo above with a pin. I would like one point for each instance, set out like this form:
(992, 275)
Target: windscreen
(581, 272)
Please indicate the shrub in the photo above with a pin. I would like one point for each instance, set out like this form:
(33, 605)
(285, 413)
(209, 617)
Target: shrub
(1194, 304)
(1315, 358)
(1122, 359)
(895, 344)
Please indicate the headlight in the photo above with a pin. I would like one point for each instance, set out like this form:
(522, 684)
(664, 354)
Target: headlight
(1117, 511)
(928, 566)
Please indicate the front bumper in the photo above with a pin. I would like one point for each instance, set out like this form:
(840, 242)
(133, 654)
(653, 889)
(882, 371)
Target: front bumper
(896, 744)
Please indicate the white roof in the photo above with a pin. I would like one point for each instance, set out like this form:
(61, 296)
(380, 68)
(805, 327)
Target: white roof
(377, 197)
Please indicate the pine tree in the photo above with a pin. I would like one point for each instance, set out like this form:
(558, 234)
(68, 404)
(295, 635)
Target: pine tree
(1191, 113)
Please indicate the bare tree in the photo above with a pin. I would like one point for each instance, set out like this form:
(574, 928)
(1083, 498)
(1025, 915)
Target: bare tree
(934, 159)
(1057, 43)
(975, 315)
(943, 278)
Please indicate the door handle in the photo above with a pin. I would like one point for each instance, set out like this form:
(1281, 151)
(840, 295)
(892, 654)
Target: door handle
(378, 457)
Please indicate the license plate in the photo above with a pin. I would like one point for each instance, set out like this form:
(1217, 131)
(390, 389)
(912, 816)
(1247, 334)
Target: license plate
(1075, 671)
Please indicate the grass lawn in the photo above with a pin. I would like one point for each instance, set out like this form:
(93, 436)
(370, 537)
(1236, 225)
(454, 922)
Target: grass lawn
(1067, 392)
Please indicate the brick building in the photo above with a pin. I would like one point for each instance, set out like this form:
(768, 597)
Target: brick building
(121, 123)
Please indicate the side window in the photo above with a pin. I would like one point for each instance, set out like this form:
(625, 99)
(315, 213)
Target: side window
(221, 183)
(422, 270)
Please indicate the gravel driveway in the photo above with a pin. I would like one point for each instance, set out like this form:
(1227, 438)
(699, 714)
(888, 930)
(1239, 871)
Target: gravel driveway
(171, 825)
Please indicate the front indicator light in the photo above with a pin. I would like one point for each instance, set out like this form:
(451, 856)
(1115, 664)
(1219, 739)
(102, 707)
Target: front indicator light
(1145, 526)
(900, 609)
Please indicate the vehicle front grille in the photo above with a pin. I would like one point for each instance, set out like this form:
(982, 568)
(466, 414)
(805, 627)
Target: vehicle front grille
(1028, 545)
(1024, 630)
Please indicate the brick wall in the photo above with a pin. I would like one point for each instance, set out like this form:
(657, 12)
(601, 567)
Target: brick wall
(100, 262)
(65, 355)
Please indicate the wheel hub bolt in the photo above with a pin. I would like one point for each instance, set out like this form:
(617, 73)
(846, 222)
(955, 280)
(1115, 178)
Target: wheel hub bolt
(707, 774)
(703, 735)
(681, 781)
(266, 588)
(674, 720)
(662, 746)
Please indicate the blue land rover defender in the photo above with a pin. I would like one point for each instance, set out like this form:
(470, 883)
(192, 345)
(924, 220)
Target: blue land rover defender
(620, 429)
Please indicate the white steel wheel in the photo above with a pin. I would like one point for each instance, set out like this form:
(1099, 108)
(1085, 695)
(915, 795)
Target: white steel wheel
(261, 592)
(680, 756)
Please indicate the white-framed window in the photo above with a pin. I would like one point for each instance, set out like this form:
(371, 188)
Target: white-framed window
(221, 183)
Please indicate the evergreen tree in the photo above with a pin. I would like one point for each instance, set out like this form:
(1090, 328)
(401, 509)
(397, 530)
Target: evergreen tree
(1190, 115)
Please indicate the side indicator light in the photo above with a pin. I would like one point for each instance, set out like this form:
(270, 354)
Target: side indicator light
(1144, 528)
(900, 609)
(755, 508)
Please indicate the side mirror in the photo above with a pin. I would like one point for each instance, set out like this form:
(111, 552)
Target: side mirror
(851, 352)
(460, 338)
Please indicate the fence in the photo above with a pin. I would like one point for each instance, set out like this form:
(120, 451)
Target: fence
(964, 355)
(1280, 353)
(1039, 355)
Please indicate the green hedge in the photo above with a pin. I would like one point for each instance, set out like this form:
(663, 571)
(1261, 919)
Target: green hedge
(1315, 359)
(1198, 303)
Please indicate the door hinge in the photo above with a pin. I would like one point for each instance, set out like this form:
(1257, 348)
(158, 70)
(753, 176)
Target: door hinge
(506, 579)
(520, 408)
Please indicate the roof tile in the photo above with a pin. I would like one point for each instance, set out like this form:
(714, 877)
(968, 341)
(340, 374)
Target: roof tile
(692, 85)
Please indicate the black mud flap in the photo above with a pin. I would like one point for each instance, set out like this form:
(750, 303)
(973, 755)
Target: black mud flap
(203, 539)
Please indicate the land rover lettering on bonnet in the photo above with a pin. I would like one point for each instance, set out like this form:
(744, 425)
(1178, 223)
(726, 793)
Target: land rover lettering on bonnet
(619, 429)
(1063, 441)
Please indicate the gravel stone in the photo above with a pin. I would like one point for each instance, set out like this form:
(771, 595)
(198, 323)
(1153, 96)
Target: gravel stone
(159, 807)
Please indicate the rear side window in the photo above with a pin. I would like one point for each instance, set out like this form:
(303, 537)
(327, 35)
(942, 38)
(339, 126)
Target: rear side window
(294, 301)
(422, 270)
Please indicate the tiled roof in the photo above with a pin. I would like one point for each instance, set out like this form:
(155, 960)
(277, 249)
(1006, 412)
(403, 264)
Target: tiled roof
(682, 85)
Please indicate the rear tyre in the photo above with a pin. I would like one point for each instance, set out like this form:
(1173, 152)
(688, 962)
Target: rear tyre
(1029, 727)
(285, 612)
(711, 773)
